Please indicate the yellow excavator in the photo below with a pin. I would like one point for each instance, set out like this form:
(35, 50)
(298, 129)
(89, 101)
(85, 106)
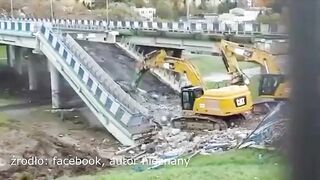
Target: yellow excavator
(273, 83)
(203, 108)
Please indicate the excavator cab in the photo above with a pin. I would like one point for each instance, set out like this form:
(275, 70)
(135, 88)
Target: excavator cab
(273, 86)
(189, 95)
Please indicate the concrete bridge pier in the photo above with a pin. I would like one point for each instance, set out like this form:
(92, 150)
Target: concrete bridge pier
(19, 57)
(56, 87)
(32, 71)
(15, 56)
(11, 55)
(112, 37)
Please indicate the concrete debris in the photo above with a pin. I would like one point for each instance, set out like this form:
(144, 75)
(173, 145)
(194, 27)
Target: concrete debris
(126, 149)
(164, 120)
(155, 96)
(172, 143)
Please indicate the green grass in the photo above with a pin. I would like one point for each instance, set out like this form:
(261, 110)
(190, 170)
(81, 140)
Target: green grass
(233, 165)
(5, 102)
(7, 99)
(213, 64)
(3, 55)
(4, 122)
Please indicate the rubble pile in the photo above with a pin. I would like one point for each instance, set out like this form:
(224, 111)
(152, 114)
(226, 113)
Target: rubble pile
(172, 143)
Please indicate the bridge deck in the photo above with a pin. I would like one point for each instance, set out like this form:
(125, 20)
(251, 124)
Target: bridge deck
(122, 69)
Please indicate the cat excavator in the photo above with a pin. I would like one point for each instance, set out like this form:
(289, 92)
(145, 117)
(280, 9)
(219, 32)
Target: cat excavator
(202, 108)
(273, 83)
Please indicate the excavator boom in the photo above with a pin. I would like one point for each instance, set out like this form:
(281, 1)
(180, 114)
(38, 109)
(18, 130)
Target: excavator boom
(272, 84)
(254, 55)
(160, 60)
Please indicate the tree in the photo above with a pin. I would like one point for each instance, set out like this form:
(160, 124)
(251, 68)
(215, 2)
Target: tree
(226, 6)
(164, 10)
(122, 12)
(139, 3)
(264, 3)
(203, 4)
(276, 5)
(269, 19)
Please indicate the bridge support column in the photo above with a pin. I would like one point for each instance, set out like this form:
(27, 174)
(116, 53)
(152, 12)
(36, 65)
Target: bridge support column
(55, 87)
(177, 53)
(112, 36)
(11, 55)
(19, 57)
(32, 72)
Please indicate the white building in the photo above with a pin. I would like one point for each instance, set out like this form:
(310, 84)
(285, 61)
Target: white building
(250, 3)
(208, 2)
(147, 13)
(239, 15)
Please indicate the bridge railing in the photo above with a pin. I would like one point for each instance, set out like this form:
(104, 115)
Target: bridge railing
(20, 26)
(221, 27)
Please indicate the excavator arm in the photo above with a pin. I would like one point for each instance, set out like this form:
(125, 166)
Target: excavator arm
(272, 84)
(160, 60)
(232, 66)
(254, 55)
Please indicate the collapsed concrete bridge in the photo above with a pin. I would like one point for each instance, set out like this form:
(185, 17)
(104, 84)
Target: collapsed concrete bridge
(117, 111)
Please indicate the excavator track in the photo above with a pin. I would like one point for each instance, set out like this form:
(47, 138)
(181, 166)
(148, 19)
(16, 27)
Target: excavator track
(199, 122)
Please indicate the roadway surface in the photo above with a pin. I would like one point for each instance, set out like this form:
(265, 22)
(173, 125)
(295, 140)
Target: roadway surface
(159, 98)
(121, 67)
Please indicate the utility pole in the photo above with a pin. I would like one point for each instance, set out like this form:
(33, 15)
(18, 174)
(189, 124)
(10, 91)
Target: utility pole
(107, 11)
(11, 8)
(188, 9)
(51, 9)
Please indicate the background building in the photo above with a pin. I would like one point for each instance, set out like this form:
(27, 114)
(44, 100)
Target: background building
(146, 13)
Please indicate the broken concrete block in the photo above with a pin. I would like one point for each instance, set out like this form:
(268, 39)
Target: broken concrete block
(131, 152)
(172, 153)
(175, 131)
(149, 148)
(155, 96)
(164, 120)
